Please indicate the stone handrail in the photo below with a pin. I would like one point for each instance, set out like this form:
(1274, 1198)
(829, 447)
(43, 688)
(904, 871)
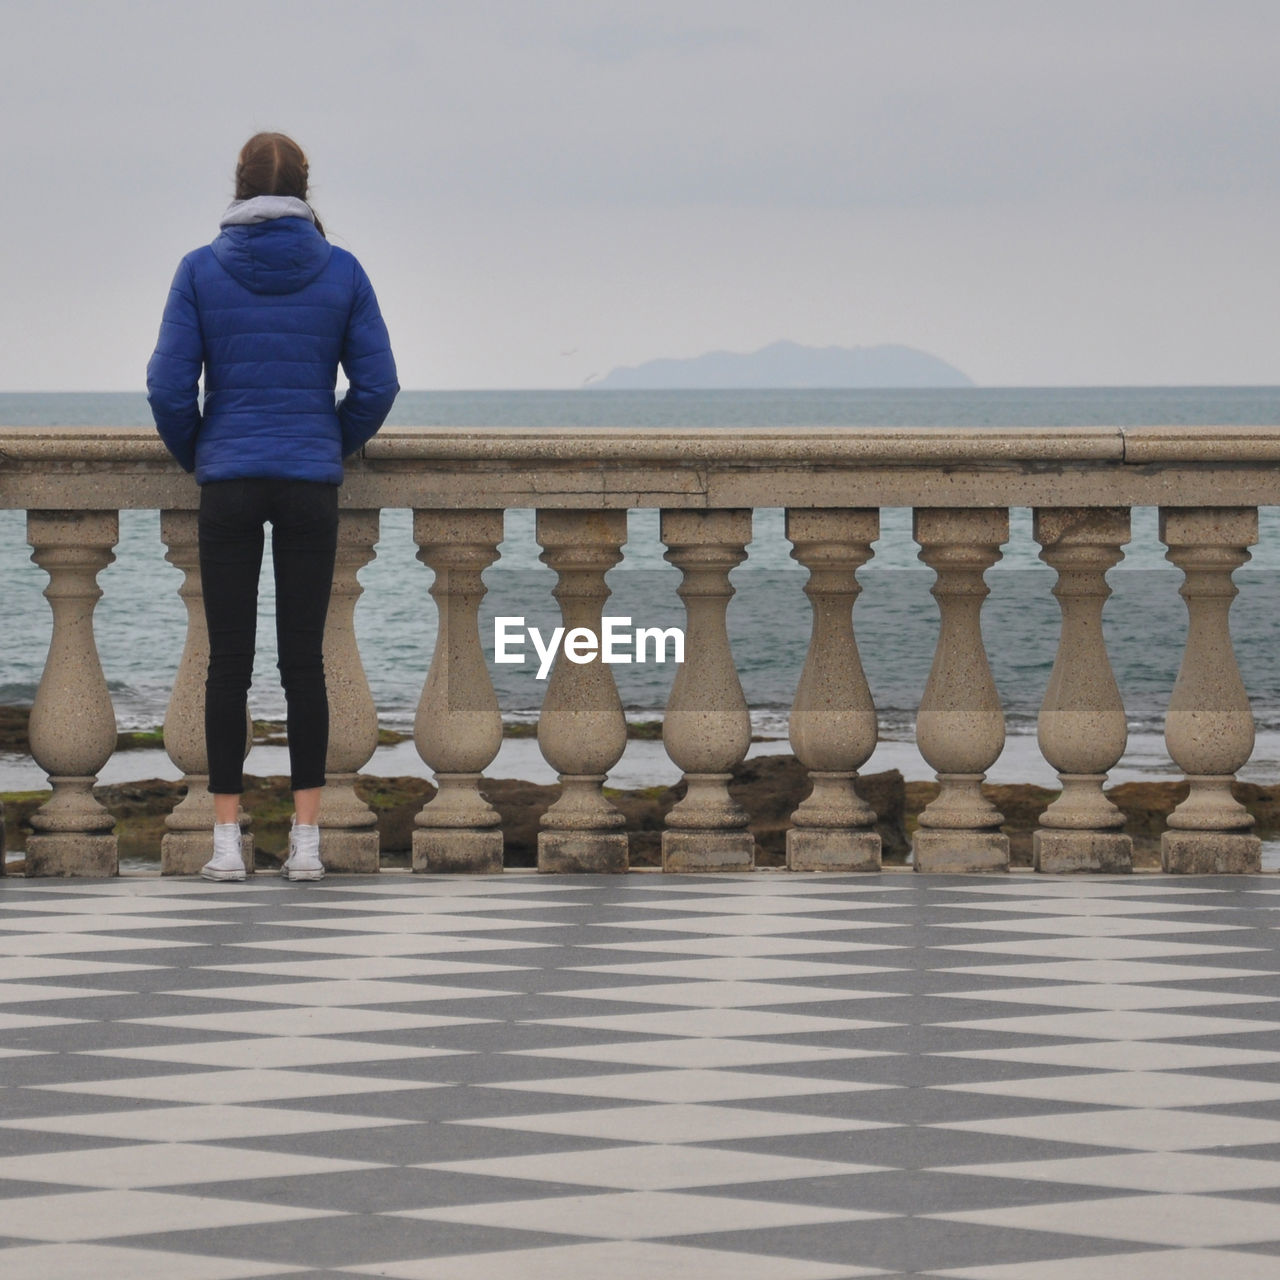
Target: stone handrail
(1080, 482)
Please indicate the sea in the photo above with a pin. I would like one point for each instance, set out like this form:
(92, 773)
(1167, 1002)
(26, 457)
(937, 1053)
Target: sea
(140, 620)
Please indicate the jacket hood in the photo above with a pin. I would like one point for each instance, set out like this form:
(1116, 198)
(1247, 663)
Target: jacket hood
(280, 254)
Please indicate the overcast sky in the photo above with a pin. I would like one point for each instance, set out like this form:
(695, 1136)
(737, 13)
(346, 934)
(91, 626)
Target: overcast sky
(1041, 192)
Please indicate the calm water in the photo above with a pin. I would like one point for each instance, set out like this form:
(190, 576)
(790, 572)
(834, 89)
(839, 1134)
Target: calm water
(140, 619)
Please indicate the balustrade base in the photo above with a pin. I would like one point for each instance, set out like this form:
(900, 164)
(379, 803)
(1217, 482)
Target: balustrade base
(469, 852)
(350, 852)
(72, 854)
(183, 853)
(954, 852)
(583, 852)
(818, 850)
(1095, 852)
(708, 851)
(1210, 853)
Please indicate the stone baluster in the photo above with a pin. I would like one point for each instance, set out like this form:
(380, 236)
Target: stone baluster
(348, 827)
(833, 719)
(960, 725)
(188, 843)
(707, 727)
(582, 730)
(1082, 730)
(458, 729)
(72, 729)
(1209, 725)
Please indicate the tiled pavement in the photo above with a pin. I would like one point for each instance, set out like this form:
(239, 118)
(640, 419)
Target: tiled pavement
(763, 1077)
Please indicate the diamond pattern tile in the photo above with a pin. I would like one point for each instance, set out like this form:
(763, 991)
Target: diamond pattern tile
(742, 1077)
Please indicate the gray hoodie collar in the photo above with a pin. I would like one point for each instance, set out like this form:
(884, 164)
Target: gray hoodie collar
(264, 209)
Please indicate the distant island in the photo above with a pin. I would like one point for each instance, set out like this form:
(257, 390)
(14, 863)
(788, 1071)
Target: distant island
(788, 365)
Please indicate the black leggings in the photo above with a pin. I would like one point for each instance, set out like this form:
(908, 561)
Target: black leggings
(304, 540)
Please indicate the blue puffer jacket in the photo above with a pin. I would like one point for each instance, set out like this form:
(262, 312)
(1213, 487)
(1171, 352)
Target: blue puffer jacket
(269, 311)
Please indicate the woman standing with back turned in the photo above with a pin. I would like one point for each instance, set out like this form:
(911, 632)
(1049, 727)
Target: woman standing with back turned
(268, 312)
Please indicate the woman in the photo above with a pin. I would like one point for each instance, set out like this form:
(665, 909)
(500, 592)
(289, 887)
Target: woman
(268, 312)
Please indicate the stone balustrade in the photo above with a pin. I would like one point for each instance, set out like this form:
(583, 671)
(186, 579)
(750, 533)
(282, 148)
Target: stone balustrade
(1080, 483)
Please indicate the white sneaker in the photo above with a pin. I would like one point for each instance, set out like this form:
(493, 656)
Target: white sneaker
(227, 862)
(303, 862)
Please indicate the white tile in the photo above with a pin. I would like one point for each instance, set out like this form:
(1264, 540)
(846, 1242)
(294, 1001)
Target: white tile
(1092, 926)
(314, 1021)
(722, 995)
(236, 1086)
(274, 1051)
(687, 1085)
(763, 904)
(618, 1260)
(107, 1262)
(1168, 1171)
(715, 1022)
(1086, 886)
(418, 924)
(672, 1122)
(16, 1021)
(107, 906)
(1162, 1264)
(655, 1167)
(1195, 1221)
(637, 1215)
(1130, 1089)
(1143, 1129)
(165, 1164)
(1124, 1055)
(99, 1215)
(752, 925)
(100, 923)
(197, 1123)
(699, 1052)
(1118, 1024)
(1090, 905)
(739, 945)
(1086, 948)
(1110, 971)
(392, 944)
(357, 967)
(33, 968)
(56, 943)
(734, 969)
(431, 907)
(339, 993)
(34, 992)
(1106, 996)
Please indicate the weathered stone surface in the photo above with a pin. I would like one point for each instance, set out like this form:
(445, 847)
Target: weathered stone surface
(1066, 852)
(1210, 853)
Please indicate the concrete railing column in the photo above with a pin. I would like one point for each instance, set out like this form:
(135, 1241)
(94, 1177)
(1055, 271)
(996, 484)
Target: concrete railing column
(72, 729)
(458, 729)
(707, 727)
(1209, 725)
(960, 725)
(1082, 730)
(188, 843)
(833, 719)
(348, 834)
(582, 729)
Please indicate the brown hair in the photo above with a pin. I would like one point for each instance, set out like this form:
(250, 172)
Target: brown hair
(272, 164)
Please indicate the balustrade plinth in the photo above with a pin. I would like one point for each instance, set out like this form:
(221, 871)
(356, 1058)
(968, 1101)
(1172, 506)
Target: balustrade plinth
(831, 829)
(458, 830)
(707, 830)
(74, 833)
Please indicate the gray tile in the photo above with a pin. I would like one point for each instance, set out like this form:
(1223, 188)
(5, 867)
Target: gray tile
(347, 1239)
(911, 1245)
